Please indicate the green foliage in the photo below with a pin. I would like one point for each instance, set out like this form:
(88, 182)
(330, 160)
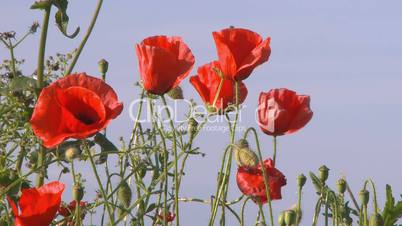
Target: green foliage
(392, 211)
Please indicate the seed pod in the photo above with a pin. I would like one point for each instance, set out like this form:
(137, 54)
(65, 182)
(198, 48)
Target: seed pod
(301, 180)
(78, 192)
(245, 157)
(364, 196)
(376, 220)
(124, 194)
(176, 93)
(341, 186)
(72, 153)
(281, 219)
(323, 173)
(290, 217)
(103, 66)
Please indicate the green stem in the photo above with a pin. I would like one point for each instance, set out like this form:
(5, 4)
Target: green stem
(104, 195)
(365, 215)
(352, 196)
(41, 58)
(326, 209)
(176, 181)
(262, 214)
(85, 39)
(298, 211)
(218, 92)
(242, 210)
(374, 194)
(12, 60)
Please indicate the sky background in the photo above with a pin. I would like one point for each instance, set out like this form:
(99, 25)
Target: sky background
(347, 55)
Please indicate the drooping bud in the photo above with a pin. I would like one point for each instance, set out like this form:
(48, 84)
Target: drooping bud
(376, 220)
(341, 186)
(124, 194)
(176, 93)
(242, 143)
(103, 66)
(323, 173)
(301, 180)
(290, 217)
(78, 192)
(364, 196)
(281, 219)
(72, 153)
(192, 127)
(245, 156)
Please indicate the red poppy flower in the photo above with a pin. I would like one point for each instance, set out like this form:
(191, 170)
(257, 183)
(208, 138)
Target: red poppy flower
(250, 181)
(169, 218)
(67, 210)
(38, 206)
(240, 51)
(76, 106)
(207, 81)
(163, 63)
(282, 111)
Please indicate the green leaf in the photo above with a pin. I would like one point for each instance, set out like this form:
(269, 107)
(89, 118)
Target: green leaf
(62, 18)
(391, 212)
(22, 83)
(150, 208)
(106, 146)
(316, 182)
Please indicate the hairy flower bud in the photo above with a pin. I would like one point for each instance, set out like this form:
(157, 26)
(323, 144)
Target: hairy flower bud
(290, 217)
(124, 194)
(78, 192)
(364, 196)
(176, 93)
(341, 186)
(376, 220)
(72, 153)
(301, 180)
(323, 173)
(281, 219)
(245, 157)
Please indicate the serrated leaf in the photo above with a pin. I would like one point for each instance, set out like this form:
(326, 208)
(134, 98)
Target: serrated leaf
(316, 182)
(391, 212)
(62, 18)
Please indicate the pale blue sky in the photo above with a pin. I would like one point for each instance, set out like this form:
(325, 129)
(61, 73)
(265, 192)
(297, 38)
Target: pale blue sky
(346, 54)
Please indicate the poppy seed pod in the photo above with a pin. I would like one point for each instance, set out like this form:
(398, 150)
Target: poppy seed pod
(376, 220)
(176, 93)
(78, 192)
(103, 66)
(281, 219)
(341, 186)
(245, 157)
(301, 180)
(72, 153)
(323, 173)
(124, 194)
(290, 217)
(364, 196)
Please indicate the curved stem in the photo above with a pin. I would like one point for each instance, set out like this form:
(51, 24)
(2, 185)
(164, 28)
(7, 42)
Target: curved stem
(85, 39)
(242, 210)
(374, 194)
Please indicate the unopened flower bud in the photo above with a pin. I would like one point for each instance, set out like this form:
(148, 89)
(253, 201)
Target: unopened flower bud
(301, 180)
(34, 27)
(376, 220)
(176, 93)
(72, 153)
(245, 157)
(323, 173)
(124, 194)
(341, 186)
(78, 192)
(192, 127)
(242, 143)
(364, 196)
(290, 217)
(103, 66)
(281, 219)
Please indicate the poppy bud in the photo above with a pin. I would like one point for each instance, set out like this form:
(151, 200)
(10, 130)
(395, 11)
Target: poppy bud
(301, 180)
(103, 66)
(341, 186)
(245, 157)
(176, 93)
(124, 194)
(376, 220)
(323, 173)
(281, 219)
(364, 196)
(290, 217)
(78, 192)
(192, 127)
(242, 143)
(72, 153)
